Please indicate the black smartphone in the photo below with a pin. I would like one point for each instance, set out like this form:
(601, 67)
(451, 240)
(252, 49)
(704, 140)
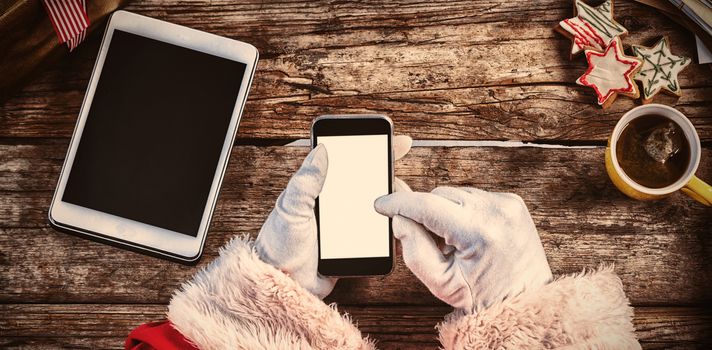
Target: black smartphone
(354, 240)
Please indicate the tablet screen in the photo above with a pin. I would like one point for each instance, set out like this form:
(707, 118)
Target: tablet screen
(154, 133)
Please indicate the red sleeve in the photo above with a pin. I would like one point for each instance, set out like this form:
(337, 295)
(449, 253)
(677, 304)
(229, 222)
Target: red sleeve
(159, 336)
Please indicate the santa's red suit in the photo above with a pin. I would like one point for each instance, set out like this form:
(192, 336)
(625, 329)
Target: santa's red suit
(240, 302)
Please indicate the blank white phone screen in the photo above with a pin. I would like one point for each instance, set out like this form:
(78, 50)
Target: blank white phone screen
(349, 226)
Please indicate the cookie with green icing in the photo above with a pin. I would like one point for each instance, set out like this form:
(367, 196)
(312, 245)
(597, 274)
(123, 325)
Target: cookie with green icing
(660, 69)
(592, 28)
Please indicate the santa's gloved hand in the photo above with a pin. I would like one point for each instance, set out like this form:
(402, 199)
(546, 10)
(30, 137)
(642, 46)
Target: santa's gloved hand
(288, 238)
(492, 250)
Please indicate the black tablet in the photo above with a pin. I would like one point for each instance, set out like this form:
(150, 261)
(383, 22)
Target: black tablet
(153, 136)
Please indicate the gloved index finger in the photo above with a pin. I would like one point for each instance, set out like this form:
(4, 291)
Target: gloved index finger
(441, 216)
(400, 186)
(401, 146)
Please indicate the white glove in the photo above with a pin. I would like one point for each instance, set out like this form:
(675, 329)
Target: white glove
(288, 238)
(492, 248)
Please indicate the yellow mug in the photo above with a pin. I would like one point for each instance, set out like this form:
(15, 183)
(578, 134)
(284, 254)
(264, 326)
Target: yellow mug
(688, 183)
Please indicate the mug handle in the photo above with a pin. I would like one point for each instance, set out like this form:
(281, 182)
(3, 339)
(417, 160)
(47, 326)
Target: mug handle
(699, 191)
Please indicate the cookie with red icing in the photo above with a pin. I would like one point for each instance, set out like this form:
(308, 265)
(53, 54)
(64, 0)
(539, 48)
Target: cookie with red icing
(610, 73)
(592, 28)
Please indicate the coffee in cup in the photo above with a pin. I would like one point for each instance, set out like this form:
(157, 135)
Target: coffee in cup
(654, 151)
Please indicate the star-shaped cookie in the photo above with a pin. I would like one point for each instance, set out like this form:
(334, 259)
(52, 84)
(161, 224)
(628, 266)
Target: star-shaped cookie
(610, 73)
(592, 28)
(660, 69)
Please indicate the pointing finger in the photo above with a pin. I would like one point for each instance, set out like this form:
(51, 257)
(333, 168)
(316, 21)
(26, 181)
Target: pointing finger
(439, 215)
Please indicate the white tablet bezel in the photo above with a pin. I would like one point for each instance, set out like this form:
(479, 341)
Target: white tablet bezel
(128, 232)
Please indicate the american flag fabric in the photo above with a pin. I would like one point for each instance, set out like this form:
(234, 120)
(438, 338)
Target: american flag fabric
(70, 20)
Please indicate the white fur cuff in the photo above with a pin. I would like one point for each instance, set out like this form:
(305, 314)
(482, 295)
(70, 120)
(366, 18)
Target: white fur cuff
(240, 302)
(583, 311)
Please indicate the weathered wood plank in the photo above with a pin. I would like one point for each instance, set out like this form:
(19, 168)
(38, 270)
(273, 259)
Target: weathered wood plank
(46, 326)
(661, 249)
(450, 70)
(441, 70)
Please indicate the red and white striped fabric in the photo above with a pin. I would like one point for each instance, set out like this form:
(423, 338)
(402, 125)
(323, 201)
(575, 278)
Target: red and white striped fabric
(70, 20)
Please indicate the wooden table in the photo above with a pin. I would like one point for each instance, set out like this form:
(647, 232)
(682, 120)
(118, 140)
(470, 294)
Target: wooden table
(447, 71)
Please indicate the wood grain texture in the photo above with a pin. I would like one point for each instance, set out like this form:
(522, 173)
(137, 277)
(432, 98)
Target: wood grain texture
(50, 326)
(661, 249)
(459, 70)
(28, 49)
(452, 70)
